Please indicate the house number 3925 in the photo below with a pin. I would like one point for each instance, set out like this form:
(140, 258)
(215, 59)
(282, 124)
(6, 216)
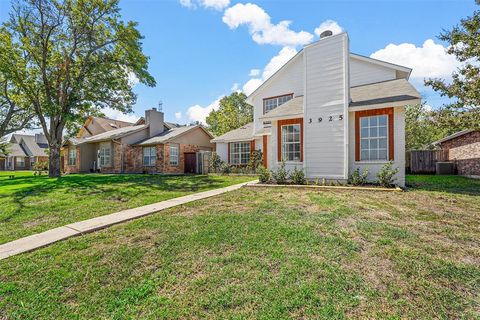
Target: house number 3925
(330, 118)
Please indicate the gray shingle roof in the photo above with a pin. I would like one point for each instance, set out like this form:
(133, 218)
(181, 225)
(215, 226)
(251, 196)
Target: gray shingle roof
(292, 107)
(114, 134)
(168, 135)
(383, 92)
(244, 133)
(34, 148)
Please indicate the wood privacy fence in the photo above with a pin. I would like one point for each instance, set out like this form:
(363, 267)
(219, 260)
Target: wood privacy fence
(424, 161)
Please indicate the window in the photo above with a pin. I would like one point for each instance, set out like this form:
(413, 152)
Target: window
(105, 155)
(271, 103)
(174, 155)
(72, 156)
(149, 156)
(239, 152)
(291, 149)
(374, 138)
(20, 162)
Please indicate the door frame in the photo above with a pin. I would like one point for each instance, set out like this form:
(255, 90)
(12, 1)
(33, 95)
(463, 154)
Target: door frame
(185, 162)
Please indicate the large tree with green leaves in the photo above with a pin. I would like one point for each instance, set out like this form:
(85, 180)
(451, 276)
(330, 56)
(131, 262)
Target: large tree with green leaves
(464, 43)
(72, 57)
(232, 113)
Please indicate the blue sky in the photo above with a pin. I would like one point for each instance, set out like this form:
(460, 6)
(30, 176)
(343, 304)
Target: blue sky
(202, 49)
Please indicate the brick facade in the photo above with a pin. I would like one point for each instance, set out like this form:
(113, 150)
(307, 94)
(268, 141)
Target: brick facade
(66, 166)
(465, 152)
(134, 160)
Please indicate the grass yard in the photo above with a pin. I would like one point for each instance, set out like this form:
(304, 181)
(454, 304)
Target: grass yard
(30, 204)
(268, 254)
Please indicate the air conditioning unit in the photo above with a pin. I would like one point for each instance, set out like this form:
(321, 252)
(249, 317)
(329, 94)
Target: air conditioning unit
(445, 168)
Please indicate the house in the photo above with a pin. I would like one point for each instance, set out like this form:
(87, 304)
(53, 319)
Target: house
(328, 112)
(150, 145)
(24, 151)
(464, 150)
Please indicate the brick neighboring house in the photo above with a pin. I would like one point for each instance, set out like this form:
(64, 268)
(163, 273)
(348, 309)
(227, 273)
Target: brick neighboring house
(150, 145)
(464, 149)
(24, 151)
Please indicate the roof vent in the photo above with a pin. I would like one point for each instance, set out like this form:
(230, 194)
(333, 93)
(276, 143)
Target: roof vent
(326, 33)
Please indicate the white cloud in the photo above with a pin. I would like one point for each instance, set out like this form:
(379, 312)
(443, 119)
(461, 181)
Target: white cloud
(132, 79)
(118, 115)
(210, 4)
(328, 25)
(261, 28)
(199, 113)
(272, 66)
(236, 87)
(178, 115)
(428, 61)
(254, 73)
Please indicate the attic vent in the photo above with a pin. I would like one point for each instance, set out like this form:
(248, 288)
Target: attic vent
(326, 33)
(113, 125)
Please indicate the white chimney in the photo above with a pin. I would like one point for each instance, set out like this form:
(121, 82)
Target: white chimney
(154, 119)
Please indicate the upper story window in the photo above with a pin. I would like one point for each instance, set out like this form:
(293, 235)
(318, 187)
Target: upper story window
(374, 138)
(72, 156)
(274, 102)
(149, 156)
(239, 152)
(174, 155)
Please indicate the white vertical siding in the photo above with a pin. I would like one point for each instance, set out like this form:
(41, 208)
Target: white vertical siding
(326, 95)
(287, 80)
(398, 143)
(222, 150)
(362, 72)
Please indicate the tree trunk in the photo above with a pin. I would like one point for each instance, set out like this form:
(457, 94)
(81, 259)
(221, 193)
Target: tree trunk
(54, 168)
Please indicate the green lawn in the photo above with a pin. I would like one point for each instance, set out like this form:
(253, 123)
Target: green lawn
(30, 204)
(267, 254)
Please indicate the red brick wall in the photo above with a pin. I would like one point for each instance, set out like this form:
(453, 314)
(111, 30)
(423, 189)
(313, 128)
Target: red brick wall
(181, 158)
(465, 151)
(116, 163)
(134, 160)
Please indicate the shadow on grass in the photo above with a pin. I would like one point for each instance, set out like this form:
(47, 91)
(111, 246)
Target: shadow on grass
(449, 184)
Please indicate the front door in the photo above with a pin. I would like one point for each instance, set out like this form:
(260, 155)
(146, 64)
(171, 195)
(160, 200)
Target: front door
(190, 162)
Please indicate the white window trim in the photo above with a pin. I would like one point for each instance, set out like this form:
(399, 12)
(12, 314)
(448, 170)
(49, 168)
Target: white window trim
(240, 152)
(375, 161)
(265, 111)
(70, 158)
(299, 142)
(149, 156)
(177, 160)
(100, 155)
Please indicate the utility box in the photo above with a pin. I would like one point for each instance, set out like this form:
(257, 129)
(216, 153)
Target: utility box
(445, 168)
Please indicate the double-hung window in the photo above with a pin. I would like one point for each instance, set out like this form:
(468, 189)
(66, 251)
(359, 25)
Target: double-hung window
(291, 142)
(20, 162)
(105, 154)
(272, 103)
(239, 152)
(174, 155)
(72, 156)
(374, 138)
(149, 156)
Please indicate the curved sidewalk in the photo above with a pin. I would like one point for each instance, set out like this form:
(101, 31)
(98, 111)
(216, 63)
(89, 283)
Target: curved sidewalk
(78, 228)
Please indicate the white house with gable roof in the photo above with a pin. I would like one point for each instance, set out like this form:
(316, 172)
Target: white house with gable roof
(327, 111)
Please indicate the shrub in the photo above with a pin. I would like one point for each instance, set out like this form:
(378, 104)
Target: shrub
(256, 159)
(298, 176)
(225, 168)
(39, 167)
(215, 163)
(386, 175)
(281, 174)
(264, 175)
(358, 178)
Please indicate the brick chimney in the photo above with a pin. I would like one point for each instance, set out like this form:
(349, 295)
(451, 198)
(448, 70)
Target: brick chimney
(154, 119)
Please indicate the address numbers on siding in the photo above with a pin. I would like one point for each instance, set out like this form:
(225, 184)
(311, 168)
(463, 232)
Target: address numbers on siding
(337, 117)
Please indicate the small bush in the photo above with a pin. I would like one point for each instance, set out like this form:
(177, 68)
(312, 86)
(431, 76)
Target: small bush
(264, 175)
(256, 159)
(386, 175)
(358, 178)
(215, 163)
(298, 176)
(281, 174)
(226, 168)
(39, 167)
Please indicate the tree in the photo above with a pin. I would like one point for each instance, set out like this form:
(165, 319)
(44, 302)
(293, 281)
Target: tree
(233, 113)
(419, 129)
(70, 58)
(464, 43)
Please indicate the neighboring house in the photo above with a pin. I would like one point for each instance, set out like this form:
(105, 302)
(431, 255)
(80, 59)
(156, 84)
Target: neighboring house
(149, 145)
(24, 151)
(329, 112)
(463, 149)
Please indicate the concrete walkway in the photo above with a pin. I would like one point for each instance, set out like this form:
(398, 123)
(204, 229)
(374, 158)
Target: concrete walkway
(78, 228)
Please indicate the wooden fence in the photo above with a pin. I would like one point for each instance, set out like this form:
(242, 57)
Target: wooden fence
(424, 161)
